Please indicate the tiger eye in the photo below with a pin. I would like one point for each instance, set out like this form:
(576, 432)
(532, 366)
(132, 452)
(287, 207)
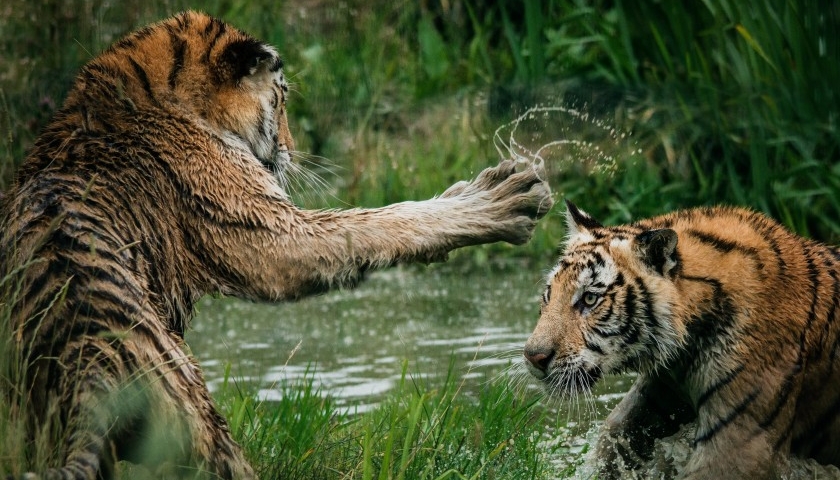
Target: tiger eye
(590, 299)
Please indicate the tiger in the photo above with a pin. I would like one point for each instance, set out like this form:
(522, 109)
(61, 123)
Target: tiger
(160, 180)
(731, 323)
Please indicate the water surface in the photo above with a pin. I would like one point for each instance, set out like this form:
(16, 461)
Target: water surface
(353, 343)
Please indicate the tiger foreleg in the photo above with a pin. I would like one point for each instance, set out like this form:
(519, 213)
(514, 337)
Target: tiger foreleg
(313, 251)
(741, 454)
(650, 410)
(736, 446)
(217, 454)
(153, 410)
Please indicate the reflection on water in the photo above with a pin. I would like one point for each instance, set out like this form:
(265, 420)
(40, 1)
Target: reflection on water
(353, 343)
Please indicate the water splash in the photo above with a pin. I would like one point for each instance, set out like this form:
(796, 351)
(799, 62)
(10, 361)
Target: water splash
(586, 139)
(671, 455)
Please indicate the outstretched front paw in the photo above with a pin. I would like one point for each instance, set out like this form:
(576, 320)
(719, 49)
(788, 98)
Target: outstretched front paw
(512, 199)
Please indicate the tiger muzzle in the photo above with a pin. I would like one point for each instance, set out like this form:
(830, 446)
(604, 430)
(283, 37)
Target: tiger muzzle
(539, 359)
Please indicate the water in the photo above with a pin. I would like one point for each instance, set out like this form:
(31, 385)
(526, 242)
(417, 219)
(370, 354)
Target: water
(564, 136)
(671, 455)
(353, 343)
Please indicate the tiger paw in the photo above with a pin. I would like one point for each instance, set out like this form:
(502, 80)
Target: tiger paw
(509, 199)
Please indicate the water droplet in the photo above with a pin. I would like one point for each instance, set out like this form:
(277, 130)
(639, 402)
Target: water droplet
(578, 138)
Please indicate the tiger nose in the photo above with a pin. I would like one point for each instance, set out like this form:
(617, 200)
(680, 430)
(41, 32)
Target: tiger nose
(539, 356)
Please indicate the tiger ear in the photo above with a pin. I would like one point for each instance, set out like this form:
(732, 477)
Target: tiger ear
(246, 57)
(578, 221)
(658, 249)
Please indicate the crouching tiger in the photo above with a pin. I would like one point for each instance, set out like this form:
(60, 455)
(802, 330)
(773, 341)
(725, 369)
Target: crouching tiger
(729, 319)
(161, 179)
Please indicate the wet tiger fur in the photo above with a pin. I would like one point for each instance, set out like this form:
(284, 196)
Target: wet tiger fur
(160, 180)
(730, 320)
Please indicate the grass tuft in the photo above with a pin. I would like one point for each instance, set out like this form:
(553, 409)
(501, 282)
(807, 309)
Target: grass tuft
(420, 432)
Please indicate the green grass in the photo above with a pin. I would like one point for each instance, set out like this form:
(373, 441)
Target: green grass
(421, 431)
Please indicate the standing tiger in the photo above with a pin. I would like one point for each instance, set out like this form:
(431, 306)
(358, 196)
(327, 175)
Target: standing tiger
(730, 320)
(160, 180)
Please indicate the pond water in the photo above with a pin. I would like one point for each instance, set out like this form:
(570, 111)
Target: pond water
(353, 343)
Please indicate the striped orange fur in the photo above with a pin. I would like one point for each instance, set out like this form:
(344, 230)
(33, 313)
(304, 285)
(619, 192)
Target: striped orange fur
(160, 180)
(728, 318)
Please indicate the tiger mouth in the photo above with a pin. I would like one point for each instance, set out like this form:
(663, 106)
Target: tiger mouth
(276, 163)
(574, 381)
(272, 166)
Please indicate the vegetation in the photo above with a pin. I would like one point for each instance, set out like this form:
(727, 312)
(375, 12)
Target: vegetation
(421, 432)
(645, 107)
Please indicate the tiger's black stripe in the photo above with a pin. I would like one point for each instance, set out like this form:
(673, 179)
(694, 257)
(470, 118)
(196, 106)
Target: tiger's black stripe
(608, 318)
(735, 412)
(724, 246)
(144, 79)
(715, 387)
(649, 316)
(217, 29)
(629, 331)
(179, 47)
(592, 345)
(124, 304)
(788, 384)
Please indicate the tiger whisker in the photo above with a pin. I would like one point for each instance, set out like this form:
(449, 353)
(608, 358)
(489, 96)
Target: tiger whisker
(302, 180)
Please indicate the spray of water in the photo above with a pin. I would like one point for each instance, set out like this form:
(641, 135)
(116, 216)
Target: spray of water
(559, 136)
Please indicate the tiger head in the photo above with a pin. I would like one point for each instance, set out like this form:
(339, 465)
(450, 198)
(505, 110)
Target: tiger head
(197, 67)
(607, 306)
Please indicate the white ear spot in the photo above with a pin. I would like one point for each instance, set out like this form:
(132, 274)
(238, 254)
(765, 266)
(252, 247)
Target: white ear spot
(572, 228)
(578, 221)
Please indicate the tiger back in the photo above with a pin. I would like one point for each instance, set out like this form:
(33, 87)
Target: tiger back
(729, 319)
